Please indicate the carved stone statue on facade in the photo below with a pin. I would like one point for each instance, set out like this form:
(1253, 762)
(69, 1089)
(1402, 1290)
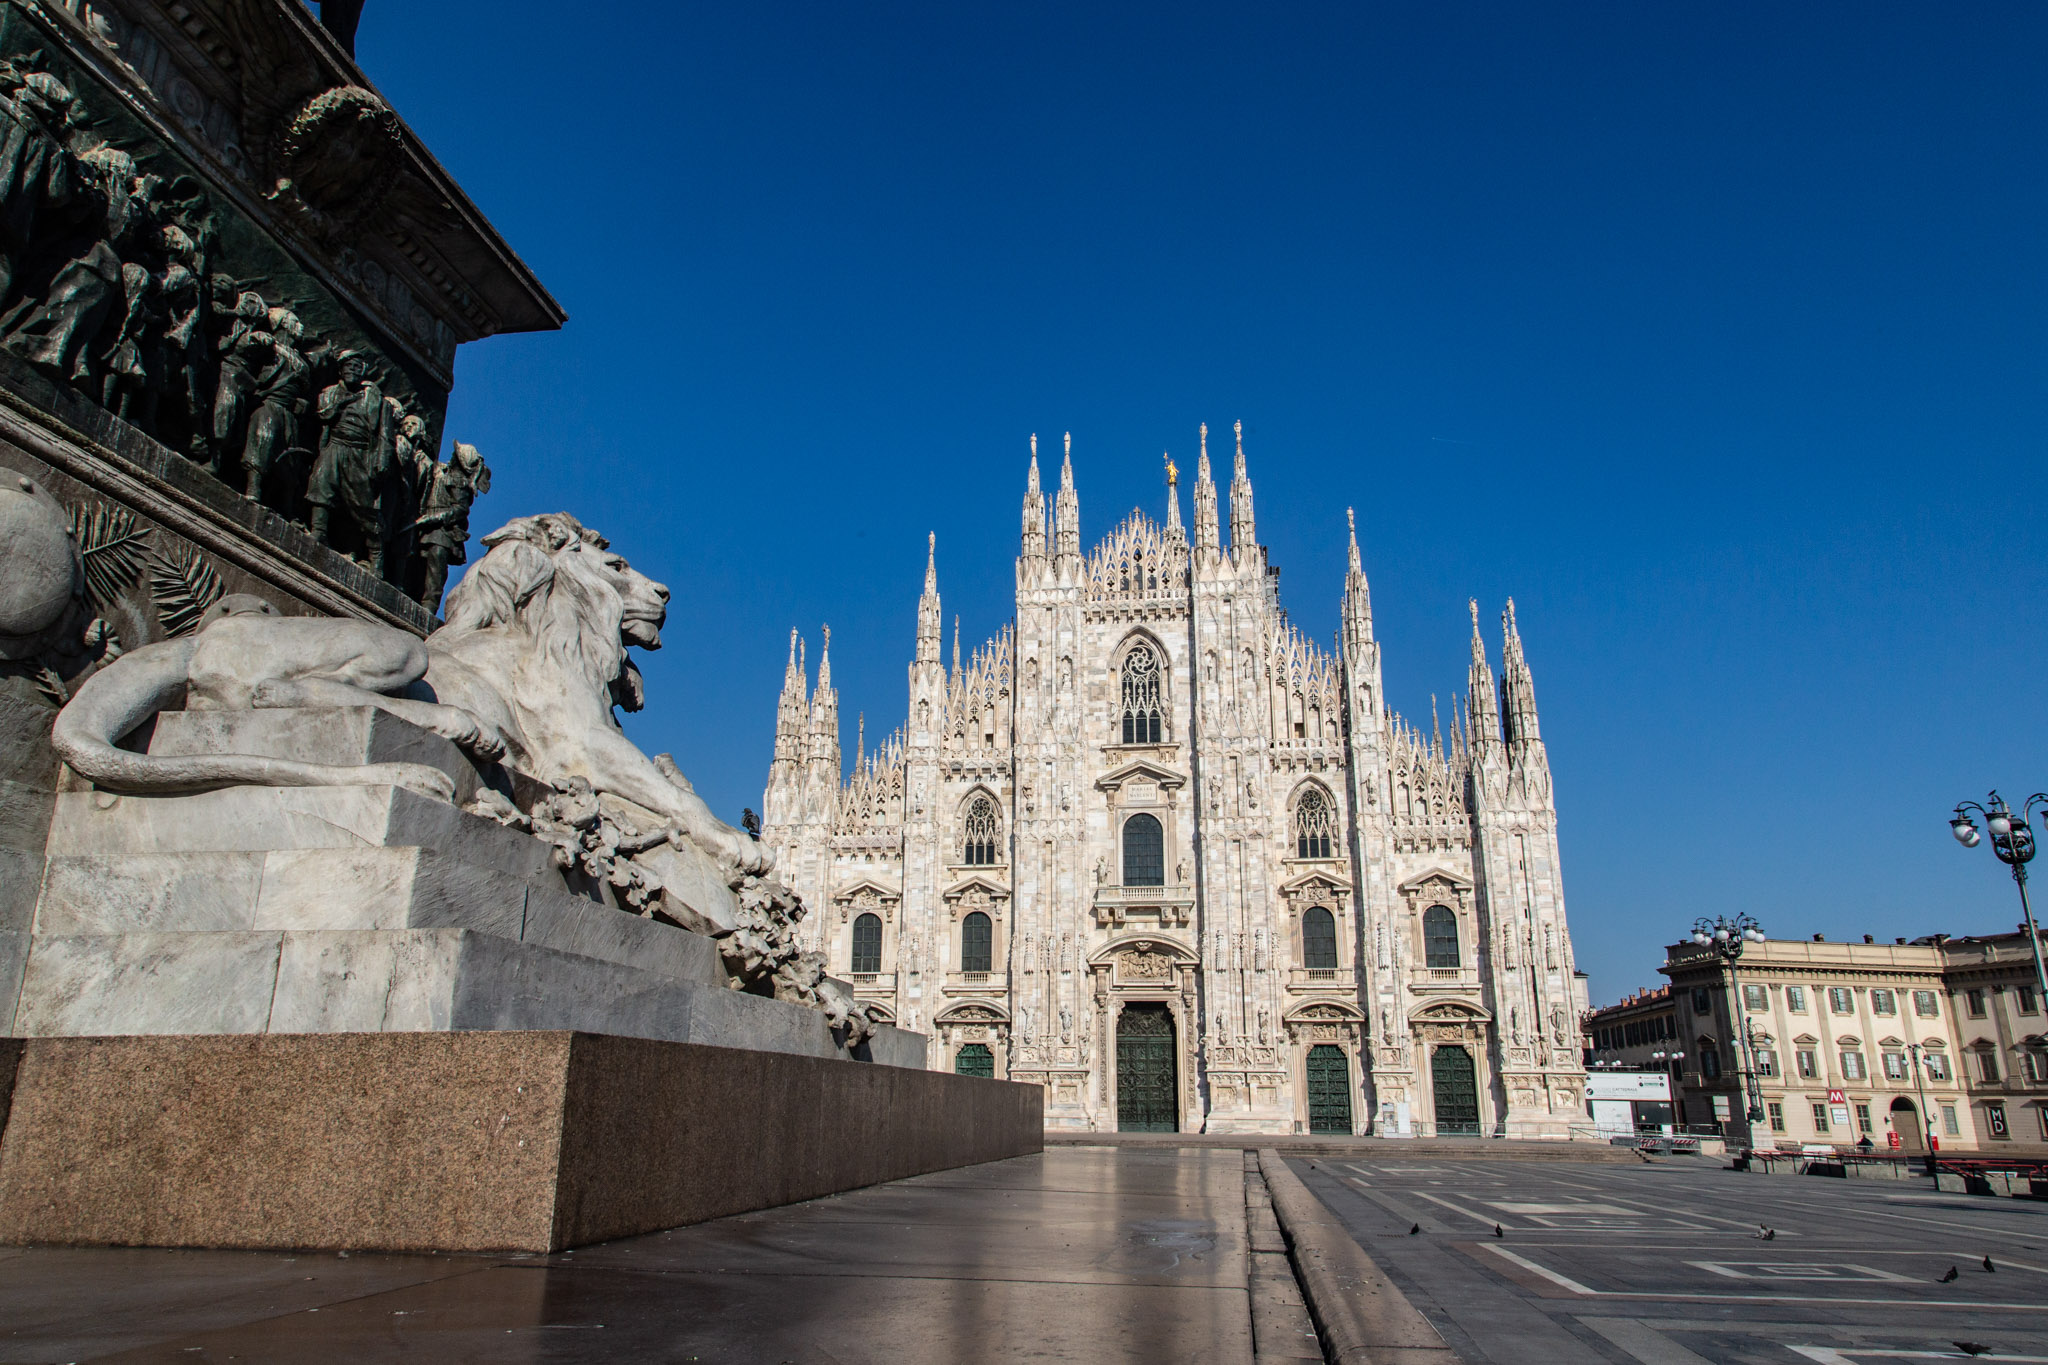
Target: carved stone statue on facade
(279, 390)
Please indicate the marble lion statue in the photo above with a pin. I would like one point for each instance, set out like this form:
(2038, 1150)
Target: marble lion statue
(524, 673)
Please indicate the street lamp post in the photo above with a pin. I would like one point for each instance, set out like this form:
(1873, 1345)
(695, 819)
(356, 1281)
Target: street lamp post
(1726, 936)
(1929, 1143)
(2012, 839)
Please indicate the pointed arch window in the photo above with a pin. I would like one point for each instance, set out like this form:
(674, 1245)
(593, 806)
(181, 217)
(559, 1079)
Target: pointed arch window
(977, 943)
(982, 833)
(1319, 939)
(1440, 937)
(1142, 716)
(867, 943)
(1315, 824)
(1144, 852)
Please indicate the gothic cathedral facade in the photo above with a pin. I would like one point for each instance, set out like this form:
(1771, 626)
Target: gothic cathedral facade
(1155, 850)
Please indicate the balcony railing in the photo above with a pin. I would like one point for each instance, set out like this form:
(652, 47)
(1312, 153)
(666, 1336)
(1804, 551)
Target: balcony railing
(1444, 978)
(1324, 978)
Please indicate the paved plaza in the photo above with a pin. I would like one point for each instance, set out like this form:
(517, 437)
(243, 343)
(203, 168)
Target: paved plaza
(1076, 1255)
(1660, 1263)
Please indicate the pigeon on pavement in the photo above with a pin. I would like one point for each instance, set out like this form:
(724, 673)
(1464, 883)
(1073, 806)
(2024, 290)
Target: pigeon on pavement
(1971, 1348)
(1990, 1267)
(1415, 1229)
(1949, 1278)
(1764, 1234)
(1497, 1232)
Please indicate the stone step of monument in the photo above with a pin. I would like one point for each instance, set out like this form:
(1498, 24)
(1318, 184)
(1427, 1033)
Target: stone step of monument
(260, 819)
(351, 890)
(345, 737)
(394, 981)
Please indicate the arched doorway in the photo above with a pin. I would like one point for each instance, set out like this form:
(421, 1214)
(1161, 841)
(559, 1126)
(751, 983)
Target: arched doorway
(1329, 1089)
(1456, 1091)
(974, 1059)
(1147, 1085)
(1906, 1123)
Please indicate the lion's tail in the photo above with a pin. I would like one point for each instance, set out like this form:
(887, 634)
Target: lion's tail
(112, 703)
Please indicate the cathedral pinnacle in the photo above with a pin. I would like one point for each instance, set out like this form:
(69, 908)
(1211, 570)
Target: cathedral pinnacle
(1357, 595)
(1034, 509)
(928, 627)
(1066, 512)
(1207, 538)
(1172, 494)
(1244, 536)
(825, 661)
(1351, 521)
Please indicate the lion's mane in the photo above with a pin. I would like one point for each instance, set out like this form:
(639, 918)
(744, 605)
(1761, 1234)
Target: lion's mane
(530, 580)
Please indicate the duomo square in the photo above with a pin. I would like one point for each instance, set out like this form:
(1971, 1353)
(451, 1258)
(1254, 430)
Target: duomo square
(1151, 847)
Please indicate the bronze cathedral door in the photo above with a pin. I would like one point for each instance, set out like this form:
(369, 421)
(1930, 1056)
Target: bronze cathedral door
(1456, 1091)
(1147, 1095)
(1329, 1089)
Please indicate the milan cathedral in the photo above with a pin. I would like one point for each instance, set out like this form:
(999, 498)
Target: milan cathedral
(1152, 848)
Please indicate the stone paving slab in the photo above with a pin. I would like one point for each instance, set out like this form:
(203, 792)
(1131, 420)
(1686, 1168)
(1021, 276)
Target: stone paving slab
(1663, 1263)
(1075, 1255)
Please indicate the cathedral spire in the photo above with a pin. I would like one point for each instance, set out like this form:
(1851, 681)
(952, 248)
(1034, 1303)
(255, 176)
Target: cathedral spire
(825, 661)
(823, 747)
(1066, 514)
(1357, 612)
(1436, 727)
(1206, 534)
(1517, 686)
(793, 707)
(1481, 712)
(1034, 509)
(1244, 535)
(860, 741)
(956, 650)
(928, 605)
(1172, 495)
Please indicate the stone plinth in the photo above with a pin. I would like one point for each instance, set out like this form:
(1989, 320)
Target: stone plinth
(363, 909)
(465, 1141)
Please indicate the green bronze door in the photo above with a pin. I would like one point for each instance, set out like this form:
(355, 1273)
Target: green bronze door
(974, 1059)
(1147, 1097)
(1457, 1094)
(1329, 1090)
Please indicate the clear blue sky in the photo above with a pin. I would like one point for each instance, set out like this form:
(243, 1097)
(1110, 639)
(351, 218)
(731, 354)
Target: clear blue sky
(1714, 334)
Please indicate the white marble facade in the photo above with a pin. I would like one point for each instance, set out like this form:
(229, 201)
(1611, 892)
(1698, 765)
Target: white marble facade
(1149, 789)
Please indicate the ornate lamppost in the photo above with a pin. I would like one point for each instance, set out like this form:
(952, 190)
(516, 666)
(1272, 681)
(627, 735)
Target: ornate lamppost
(2012, 839)
(1726, 936)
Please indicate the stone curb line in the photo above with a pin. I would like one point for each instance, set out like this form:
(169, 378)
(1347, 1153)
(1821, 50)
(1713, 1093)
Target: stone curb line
(1362, 1317)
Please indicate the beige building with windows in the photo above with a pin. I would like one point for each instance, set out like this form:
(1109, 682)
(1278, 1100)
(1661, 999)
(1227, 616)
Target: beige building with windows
(1151, 847)
(1852, 1040)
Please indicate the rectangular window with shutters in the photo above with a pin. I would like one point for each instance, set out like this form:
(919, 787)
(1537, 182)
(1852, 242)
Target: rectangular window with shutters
(2024, 997)
(1766, 1062)
(1987, 1065)
(1926, 1005)
(1777, 1113)
(1755, 997)
(1806, 1063)
(1863, 1118)
(1895, 1066)
(1710, 1063)
(1795, 999)
(1702, 1000)
(1841, 1000)
(1852, 1065)
(1937, 1067)
(1974, 998)
(1883, 1002)
(1820, 1117)
(2037, 1065)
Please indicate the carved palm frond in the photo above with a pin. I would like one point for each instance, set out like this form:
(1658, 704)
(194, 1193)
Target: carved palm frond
(114, 548)
(184, 586)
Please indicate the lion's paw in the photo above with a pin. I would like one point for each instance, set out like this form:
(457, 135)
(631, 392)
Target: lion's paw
(414, 777)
